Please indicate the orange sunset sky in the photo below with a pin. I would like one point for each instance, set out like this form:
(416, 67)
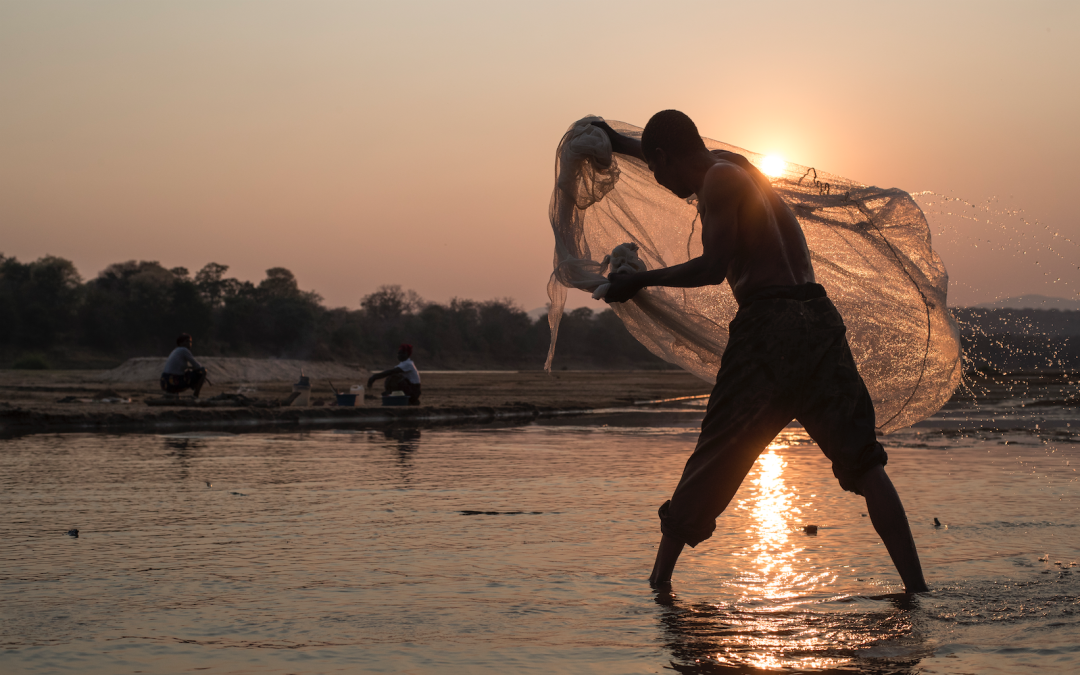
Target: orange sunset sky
(364, 143)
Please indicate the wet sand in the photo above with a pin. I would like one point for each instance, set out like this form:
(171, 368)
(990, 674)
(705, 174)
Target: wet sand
(29, 400)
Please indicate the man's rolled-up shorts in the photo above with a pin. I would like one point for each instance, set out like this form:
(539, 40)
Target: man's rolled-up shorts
(787, 358)
(174, 384)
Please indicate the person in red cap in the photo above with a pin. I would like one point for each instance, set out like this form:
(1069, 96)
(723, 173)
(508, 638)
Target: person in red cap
(403, 377)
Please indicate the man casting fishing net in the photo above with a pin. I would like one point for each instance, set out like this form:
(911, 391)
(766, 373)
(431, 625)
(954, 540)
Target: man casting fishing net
(787, 355)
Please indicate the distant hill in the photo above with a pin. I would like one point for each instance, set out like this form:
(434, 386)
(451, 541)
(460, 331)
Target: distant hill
(1033, 301)
(1012, 340)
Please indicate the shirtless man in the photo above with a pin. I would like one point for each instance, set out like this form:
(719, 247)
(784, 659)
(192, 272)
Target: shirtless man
(787, 356)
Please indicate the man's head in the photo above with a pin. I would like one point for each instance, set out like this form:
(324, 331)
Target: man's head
(670, 141)
(404, 352)
(184, 340)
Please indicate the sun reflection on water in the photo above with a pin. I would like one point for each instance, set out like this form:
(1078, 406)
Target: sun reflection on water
(774, 575)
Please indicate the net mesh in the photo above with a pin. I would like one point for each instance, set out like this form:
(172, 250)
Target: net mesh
(870, 249)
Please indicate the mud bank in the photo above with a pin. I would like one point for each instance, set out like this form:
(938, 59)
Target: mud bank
(45, 401)
(18, 421)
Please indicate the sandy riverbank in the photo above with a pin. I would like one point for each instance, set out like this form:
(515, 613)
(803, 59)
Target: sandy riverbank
(29, 400)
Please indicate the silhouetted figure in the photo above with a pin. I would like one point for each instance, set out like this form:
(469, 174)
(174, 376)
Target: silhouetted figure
(182, 371)
(787, 356)
(403, 377)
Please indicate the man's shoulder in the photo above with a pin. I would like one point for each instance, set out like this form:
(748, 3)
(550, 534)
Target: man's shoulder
(725, 180)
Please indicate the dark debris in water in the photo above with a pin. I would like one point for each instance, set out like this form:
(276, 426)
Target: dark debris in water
(467, 512)
(73, 532)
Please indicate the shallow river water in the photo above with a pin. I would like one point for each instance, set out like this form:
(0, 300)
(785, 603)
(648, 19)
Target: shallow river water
(525, 550)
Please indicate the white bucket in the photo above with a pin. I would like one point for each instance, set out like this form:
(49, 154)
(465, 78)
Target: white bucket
(304, 399)
(358, 389)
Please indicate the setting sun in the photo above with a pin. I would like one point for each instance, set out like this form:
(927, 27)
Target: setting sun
(773, 166)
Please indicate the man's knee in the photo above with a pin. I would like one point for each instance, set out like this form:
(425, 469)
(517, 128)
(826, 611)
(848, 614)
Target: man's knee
(870, 480)
(852, 469)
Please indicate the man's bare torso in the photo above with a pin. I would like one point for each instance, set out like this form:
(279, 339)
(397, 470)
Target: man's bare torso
(769, 246)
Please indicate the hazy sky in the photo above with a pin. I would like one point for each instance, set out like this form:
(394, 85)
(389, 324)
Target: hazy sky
(363, 143)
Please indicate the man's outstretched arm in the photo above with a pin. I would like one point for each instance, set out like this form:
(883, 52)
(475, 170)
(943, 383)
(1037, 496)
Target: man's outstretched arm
(386, 373)
(701, 271)
(624, 145)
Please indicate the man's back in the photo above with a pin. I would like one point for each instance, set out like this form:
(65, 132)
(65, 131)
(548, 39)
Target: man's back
(768, 245)
(178, 361)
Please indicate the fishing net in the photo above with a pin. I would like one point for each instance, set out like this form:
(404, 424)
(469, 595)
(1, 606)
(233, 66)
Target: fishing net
(870, 248)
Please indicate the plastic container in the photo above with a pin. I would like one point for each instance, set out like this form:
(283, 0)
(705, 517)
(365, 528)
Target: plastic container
(346, 400)
(395, 398)
(304, 388)
(358, 390)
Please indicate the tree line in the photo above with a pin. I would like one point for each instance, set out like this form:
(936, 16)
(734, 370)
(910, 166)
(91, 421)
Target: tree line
(50, 317)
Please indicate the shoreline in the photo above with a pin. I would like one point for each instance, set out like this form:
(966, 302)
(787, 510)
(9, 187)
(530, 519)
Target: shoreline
(59, 401)
(34, 402)
(16, 421)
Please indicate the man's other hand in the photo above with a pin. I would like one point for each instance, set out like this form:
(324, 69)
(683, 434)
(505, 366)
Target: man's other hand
(624, 145)
(605, 127)
(623, 287)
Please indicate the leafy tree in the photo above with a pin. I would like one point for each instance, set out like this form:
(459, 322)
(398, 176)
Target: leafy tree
(38, 301)
(279, 283)
(390, 302)
(211, 282)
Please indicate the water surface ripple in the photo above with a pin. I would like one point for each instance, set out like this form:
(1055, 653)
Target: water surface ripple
(524, 549)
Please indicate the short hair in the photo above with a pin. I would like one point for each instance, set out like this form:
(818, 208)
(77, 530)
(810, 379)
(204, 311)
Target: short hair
(406, 348)
(184, 337)
(673, 132)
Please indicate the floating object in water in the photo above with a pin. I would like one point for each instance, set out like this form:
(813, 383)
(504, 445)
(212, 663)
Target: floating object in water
(1045, 558)
(238, 494)
(73, 532)
(810, 529)
(209, 484)
(937, 523)
(468, 512)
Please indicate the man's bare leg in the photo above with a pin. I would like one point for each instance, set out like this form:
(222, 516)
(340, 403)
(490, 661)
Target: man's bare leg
(887, 514)
(667, 554)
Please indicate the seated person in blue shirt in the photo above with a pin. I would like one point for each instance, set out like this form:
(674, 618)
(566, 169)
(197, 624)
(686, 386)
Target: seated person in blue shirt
(403, 377)
(177, 376)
